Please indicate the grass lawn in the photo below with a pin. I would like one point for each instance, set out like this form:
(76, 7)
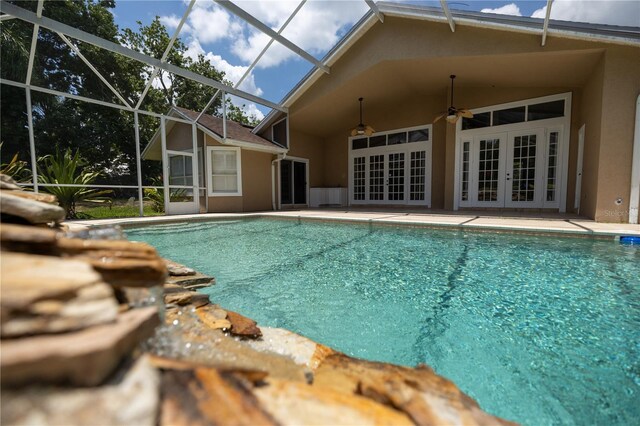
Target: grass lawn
(119, 208)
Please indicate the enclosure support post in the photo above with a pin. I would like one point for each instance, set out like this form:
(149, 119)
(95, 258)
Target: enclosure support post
(32, 142)
(165, 167)
(224, 117)
(138, 163)
(195, 165)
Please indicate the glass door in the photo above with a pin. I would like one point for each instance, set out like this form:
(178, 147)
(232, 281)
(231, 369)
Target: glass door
(489, 176)
(376, 177)
(293, 183)
(396, 178)
(179, 188)
(524, 178)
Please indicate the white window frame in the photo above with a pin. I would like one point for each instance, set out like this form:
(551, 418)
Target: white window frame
(561, 124)
(210, 192)
(406, 148)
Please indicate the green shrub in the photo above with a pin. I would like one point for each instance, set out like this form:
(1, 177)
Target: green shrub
(66, 168)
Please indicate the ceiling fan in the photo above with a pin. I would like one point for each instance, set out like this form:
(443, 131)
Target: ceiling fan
(362, 129)
(453, 114)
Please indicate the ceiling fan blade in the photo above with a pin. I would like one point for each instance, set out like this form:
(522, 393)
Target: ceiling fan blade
(354, 132)
(440, 117)
(465, 113)
(369, 131)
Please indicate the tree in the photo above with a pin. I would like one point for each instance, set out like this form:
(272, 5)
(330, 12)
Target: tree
(105, 136)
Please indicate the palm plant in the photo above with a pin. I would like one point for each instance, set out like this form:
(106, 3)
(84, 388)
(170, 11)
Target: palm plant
(66, 169)
(16, 169)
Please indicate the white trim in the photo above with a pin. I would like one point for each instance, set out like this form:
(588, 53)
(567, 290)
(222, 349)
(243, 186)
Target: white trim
(238, 151)
(406, 148)
(447, 13)
(32, 142)
(375, 10)
(560, 124)
(165, 163)
(409, 11)
(545, 26)
(634, 195)
(579, 170)
(138, 164)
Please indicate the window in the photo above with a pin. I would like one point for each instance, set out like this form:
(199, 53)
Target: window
(376, 141)
(546, 110)
(279, 133)
(180, 170)
(479, 120)
(508, 116)
(524, 111)
(360, 143)
(419, 135)
(226, 175)
(397, 138)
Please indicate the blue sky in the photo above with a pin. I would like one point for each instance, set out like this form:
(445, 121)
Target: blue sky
(232, 45)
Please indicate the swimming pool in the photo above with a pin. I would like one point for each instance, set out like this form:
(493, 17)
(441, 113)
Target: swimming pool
(539, 330)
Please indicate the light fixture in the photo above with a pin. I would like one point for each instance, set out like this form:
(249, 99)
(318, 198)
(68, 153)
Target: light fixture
(453, 114)
(362, 129)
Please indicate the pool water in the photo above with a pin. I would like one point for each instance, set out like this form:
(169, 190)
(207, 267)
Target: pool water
(539, 330)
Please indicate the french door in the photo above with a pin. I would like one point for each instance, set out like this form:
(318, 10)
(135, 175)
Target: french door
(510, 169)
(395, 177)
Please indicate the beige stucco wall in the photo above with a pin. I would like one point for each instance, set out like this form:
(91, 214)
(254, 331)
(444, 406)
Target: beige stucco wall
(591, 117)
(256, 184)
(620, 89)
(256, 173)
(401, 67)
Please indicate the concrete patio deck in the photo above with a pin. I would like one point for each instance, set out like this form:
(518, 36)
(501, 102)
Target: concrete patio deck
(478, 221)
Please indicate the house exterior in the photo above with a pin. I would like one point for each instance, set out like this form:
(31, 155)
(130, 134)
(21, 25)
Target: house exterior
(552, 131)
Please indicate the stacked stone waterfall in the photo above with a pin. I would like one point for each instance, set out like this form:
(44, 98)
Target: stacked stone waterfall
(96, 329)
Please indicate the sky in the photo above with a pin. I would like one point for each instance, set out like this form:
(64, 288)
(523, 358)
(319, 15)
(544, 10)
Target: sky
(232, 45)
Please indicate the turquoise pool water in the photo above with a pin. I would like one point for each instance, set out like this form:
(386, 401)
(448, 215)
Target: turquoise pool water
(538, 330)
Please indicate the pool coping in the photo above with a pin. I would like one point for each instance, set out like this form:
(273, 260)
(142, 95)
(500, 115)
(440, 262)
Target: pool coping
(561, 227)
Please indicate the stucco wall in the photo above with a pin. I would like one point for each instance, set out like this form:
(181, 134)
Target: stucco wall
(399, 67)
(620, 89)
(256, 184)
(311, 148)
(592, 118)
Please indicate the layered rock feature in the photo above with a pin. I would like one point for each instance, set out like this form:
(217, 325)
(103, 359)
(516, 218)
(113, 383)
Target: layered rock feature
(61, 321)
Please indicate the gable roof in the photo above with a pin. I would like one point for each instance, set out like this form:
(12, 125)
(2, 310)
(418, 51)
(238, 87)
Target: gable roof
(564, 29)
(237, 134)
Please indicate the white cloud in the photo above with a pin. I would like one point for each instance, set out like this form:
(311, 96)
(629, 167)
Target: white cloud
(507, 9)
(232, 73)
(315, 28)
(614, 12)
